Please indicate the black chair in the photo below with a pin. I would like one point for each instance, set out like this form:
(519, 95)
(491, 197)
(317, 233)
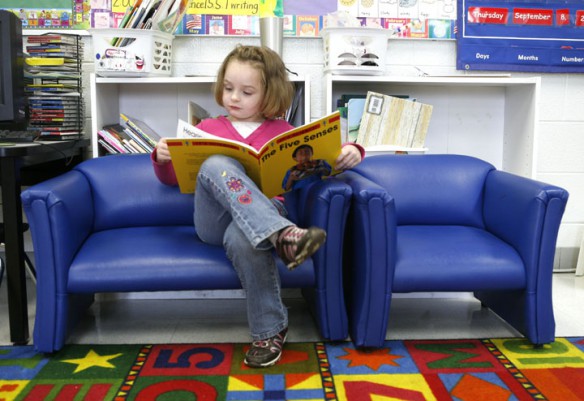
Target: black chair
(27, 262)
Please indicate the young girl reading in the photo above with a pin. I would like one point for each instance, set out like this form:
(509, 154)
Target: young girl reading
(253, 87)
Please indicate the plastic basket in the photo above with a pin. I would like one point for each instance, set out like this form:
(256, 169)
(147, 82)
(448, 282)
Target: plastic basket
(132, 52)
(355, 51)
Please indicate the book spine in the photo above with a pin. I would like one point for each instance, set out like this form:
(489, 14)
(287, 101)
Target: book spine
(113, 142)
(133, 127)
(144, 145)
(108, 147)
(130, 147)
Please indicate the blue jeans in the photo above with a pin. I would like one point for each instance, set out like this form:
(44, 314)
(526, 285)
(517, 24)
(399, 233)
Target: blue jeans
(232, 211)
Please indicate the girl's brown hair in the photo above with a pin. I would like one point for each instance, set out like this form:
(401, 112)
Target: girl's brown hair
(279, 91)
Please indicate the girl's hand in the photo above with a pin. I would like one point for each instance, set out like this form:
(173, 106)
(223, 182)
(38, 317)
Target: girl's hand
(350, 156)
(162, 153)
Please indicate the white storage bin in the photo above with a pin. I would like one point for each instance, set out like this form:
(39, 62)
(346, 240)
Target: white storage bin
(132, 52)
(355, 51)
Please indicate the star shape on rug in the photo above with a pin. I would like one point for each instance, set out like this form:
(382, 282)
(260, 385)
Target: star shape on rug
(92, 359)
(373, 359)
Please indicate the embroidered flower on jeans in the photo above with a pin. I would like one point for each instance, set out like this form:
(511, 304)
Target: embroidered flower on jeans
(244, 199)
(234, 184)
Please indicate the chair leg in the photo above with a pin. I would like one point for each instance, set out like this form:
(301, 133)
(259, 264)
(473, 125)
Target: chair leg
(27, 265)
(580, 264)
(1, 270)
(30, 268)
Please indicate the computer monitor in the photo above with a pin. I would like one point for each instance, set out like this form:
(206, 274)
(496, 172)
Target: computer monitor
(12, 94)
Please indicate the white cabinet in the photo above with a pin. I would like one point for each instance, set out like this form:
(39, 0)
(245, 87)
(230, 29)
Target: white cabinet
(159, 102)
(492, 118)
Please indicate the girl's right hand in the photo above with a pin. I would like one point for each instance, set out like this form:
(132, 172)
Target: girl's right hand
(162, 153)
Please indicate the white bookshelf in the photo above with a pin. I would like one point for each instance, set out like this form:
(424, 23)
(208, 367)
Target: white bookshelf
(159, 102)
(492, 118)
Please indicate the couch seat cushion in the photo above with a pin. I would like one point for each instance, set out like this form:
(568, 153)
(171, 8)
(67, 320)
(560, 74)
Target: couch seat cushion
(161, 258)
(454, 258)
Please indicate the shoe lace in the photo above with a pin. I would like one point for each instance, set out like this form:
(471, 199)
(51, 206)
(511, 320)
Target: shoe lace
(288, 239)
(273, 344)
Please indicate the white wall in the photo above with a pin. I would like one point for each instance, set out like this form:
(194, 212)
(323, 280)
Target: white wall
(560, 149)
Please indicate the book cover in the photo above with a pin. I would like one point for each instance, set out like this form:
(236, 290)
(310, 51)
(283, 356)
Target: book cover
(171, 15)
(196, 113)
(355, 109)
(52, 38)
(113, 141)
(141, 129)
(267, 167)
(390, 120)
(137, 141)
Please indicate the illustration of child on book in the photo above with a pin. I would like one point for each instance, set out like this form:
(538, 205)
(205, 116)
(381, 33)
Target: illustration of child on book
(306, 170)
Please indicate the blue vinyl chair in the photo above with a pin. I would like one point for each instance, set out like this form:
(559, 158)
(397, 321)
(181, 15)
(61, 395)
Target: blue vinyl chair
(432, 223)
(109, 225)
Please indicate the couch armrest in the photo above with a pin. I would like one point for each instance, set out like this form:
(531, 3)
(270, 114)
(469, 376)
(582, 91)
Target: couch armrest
(370, 261)
(372, 219)
(526, 214)
(60, 213)
(325, 204)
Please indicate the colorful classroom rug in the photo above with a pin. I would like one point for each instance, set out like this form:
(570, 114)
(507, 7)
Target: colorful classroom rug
(460, 370)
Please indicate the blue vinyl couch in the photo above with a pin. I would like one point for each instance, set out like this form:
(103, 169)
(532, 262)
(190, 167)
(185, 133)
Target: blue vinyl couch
(109, 225)
(432, 223)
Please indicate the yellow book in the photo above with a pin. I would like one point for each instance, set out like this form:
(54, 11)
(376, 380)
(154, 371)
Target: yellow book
(270, 167)
(47, 60)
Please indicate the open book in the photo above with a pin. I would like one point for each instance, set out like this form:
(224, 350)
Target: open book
(270, 167)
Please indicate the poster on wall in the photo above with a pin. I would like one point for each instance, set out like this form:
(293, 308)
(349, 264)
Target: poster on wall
(404, 19)
(521, 35)
(50, 14)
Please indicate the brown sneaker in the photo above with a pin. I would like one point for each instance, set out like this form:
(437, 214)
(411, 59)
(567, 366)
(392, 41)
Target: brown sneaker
(295, 244)
(264, 353)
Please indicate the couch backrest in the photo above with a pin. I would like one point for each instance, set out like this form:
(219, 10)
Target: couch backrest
(431, 189)
(126, 193)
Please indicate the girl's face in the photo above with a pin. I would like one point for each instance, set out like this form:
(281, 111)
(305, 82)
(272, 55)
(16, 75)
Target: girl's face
(243, 92)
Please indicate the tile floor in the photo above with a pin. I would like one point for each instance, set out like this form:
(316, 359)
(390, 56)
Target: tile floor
(215, 318)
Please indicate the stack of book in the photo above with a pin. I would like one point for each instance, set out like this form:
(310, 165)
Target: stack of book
(134, 136)
(161, 15)
(54, 86)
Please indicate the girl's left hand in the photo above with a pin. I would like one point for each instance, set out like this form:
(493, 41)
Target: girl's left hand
(350, 156)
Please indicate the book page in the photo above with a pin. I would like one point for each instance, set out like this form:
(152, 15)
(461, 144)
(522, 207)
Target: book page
(193, 146)
(268, 167)
(184, 130)
(188, 154)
